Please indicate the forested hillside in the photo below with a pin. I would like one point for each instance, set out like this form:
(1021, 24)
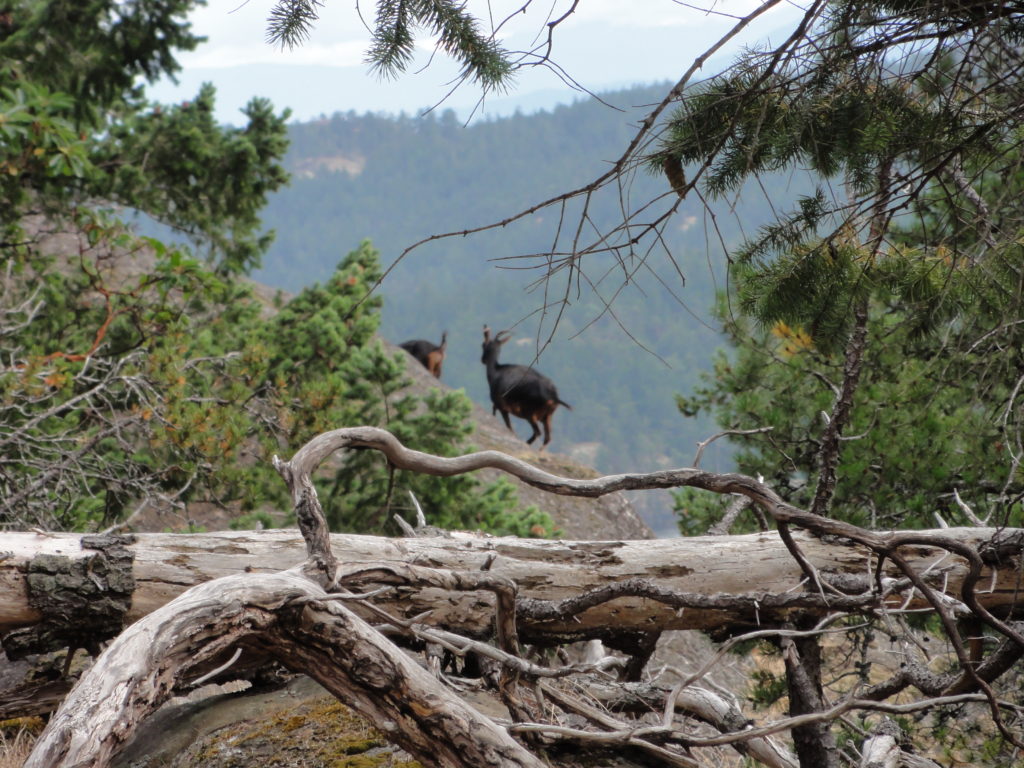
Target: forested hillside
(397, 180)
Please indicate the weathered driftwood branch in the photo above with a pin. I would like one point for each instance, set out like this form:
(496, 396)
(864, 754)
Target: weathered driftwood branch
(330, 643)
(325, 640)
(729, 577)
(884, 545)
(723, 483)
(140, 668)
(697, 702)
(882, 749)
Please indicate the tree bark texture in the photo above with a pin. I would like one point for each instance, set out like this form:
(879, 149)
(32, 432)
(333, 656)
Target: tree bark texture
(81, 602)
(567, 590)
(815, 743)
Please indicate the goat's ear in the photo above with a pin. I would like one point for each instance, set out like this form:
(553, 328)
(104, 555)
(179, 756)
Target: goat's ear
(487, 334)
(502, 336)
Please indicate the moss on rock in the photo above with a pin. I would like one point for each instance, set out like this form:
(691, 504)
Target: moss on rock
(318, 733)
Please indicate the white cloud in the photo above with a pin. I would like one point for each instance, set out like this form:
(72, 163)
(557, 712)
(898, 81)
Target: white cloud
(604, 44)
(236, 32)
(346, 54)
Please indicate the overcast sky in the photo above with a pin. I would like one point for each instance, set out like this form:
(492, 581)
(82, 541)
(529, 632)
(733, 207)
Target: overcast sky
(605, 44)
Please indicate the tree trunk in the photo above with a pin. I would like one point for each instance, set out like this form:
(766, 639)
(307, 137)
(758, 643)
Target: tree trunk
(815, 744)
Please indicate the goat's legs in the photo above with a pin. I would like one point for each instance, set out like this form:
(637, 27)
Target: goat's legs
(547, 430)
(535, 428)
(508, 421)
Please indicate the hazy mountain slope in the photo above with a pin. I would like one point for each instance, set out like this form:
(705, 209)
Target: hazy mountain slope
(399, 180)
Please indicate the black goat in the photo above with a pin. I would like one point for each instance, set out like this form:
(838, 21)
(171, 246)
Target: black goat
(519, 390)
(430, 355)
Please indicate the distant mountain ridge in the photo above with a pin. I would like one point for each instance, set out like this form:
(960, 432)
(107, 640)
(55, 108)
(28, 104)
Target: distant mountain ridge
(399, 180)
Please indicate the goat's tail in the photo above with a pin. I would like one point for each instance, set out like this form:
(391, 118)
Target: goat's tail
(562, 402)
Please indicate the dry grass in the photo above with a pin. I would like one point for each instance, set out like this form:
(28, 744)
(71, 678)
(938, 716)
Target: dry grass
(14, 749)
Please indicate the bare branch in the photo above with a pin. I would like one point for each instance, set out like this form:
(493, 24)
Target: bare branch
(736, 507)
(705, 443)
(973, 518)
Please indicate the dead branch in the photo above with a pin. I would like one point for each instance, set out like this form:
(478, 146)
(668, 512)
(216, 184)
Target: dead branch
(735, 508)
(882, 749)
(725, 433)
(697, 702)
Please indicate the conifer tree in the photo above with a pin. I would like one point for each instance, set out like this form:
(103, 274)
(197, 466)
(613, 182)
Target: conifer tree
(860, 326)
(935, 415)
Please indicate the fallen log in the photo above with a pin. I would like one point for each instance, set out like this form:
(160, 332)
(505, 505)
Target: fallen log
(566, 589)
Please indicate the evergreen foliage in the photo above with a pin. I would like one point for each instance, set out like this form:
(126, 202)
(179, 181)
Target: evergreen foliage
(77, 128)
(456, 30)
(927, 422)
(216, 179)
(93, 52)
(457, 35)
(137, 375)
(290, 22)
(935, 408)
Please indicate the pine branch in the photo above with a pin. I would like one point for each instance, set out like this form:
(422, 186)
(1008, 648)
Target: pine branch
(393, 47)
(290, 22)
